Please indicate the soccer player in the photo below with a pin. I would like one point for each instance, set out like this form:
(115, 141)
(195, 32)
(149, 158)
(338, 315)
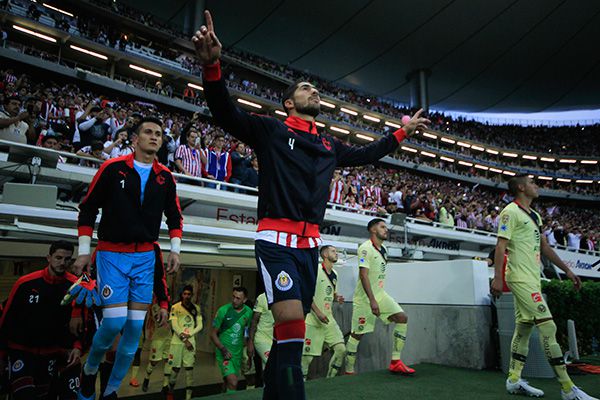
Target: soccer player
(321, 327)
(519, 235)
(159, 347)
(296, 167)
(34, 330)
(229, 327)
(186, 322)
(261, 330)
(371, 301)
(133, 192)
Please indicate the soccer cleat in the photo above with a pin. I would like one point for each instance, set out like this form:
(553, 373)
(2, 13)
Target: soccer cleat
(397, 366)
(349, 373)
(169, 396)
(134, 382)
(87, 389)
(523, 387)
(145, 385)
(576, 394)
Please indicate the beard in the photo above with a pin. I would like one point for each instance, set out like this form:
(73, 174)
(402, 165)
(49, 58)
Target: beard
(310, 109)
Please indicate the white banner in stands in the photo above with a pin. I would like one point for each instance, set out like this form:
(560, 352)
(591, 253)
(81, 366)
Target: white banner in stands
(582, 264)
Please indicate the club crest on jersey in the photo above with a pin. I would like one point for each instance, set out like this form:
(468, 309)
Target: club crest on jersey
(536, 297)
(160, 179)
(284, 281)
(329, 290)
(307, 341)
(362, 321)
(326, 143)
(17, 366)
(542, 308)
(107, 292)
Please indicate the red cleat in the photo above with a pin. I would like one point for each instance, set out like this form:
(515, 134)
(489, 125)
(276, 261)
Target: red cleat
(134, 382)
(397, 366)
(349, 373)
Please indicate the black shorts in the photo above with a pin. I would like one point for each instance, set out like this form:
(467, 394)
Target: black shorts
(287, 273)
(34, 376)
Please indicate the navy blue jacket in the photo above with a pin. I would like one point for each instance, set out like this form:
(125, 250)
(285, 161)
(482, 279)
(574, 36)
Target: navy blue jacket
(296, 161)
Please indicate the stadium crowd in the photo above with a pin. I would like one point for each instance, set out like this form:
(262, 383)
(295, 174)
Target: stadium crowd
(72, 119)
(535, 139)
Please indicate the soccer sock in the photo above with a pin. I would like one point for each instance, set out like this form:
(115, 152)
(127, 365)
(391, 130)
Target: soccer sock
(127, 347)
(554, 354)
(519, 349)
(306, 360)
(113, 320)
(290, 340)
(189, 382)
(173, 378)
(149, 369)
(335, 364)
(269, 374)
(135, 367)
(352, 349)
(399, 340)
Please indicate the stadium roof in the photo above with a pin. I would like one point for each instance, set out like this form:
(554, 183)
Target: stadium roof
(484, 56)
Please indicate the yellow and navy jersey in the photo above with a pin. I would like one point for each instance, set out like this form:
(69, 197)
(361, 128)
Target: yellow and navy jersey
(375, 260)
(523, 232)
(182, 321)
(324, 295)
(266, 321)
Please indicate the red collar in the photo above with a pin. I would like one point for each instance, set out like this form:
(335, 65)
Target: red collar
(51, 279)
(156, 166)
(301, 125)
(374, 245)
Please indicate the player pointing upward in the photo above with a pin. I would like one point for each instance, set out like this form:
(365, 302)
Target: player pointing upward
(297, 164)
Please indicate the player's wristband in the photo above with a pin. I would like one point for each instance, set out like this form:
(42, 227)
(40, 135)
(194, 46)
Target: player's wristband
(85, 243)
(176, 245)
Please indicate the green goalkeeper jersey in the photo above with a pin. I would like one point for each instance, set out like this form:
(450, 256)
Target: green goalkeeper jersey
(522, 230)
(232, 325)
(324, 296)
(375, 260)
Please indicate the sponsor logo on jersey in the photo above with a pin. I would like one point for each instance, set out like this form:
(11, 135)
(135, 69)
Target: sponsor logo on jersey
(307, 349)
(536, 297)
(284, 281)
(17, 366)
(107, 291)
(503, 227)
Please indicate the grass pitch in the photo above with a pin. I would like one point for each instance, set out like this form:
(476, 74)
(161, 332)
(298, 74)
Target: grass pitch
(430, 382)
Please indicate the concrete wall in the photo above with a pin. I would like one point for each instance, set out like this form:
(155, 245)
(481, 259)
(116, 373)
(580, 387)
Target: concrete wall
(458, 336)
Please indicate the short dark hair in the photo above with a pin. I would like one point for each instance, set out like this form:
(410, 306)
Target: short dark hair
(60, 245)
(374, 222)
(241, 289)
(153, 120)
(96, 145)
(189, 288)
(288, 93)
(123, 129)
(8, 99)
(46, 137)
(324, 248)
(515, 181)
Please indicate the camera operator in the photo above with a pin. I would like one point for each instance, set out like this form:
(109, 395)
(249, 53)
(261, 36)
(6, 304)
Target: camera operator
(95, 127)
(121, 146)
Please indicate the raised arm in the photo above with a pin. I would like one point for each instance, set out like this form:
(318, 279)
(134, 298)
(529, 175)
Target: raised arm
(348, 156)
(247, 127)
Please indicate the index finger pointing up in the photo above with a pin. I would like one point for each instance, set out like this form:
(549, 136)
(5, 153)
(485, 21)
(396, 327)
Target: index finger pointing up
(209, 21)
(418, 113)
